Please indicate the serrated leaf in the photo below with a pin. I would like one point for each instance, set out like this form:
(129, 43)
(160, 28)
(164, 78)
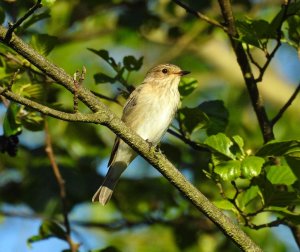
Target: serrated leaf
(192, 119)
(187, 86)
(276, 148)
(11, 123)
(132, 64)
(220, 143)
(217, 114)
(280, 175)
(251, 166)
(228, 170)
(43, 43)
(103, 78)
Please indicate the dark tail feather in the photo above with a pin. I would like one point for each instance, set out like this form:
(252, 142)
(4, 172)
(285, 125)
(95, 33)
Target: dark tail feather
(106, 190)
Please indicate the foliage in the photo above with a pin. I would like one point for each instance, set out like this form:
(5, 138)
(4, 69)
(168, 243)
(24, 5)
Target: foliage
(222, 151)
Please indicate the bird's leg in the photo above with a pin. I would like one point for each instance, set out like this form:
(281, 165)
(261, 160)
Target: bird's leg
(153, 146)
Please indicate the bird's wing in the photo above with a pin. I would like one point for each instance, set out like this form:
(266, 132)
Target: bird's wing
(127, 111)
(131, 103)
(114, 151)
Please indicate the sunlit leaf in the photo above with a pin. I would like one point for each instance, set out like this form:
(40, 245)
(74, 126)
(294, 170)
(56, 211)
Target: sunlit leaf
(220, 143)
(224, 204)
(251, 166)
(280, 175)
(187, 86)
(228, 170)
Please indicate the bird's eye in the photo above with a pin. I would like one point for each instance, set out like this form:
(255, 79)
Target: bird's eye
(165, 70)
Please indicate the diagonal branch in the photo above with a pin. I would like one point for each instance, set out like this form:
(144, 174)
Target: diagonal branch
(251, 83)
(14, 26)
(199, 15)
(110, 120)
(285, 106)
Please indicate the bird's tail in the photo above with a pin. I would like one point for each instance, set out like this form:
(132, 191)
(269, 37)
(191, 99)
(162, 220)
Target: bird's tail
(106, 190)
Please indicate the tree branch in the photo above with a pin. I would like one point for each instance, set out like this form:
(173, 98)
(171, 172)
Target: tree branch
(110, 120)
(61, 183)
(285, 107)
(14, 26)
(199, 15)
(251, 84)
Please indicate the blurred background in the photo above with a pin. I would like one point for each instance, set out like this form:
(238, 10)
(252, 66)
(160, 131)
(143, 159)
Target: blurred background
(146, 212)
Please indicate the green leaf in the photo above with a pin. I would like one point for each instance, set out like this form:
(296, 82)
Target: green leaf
(132, 64)
(251, 166)
(187, 86)
(103, 78)
(11, 124)
(220, 143)
(280, 175)
(104, 54)
(228, 170)
(33, 121)
(217, 114)
(192, 119)
(34, 91)
(276, 148)
(47, 230)
(224, 204)
(281, 198)
(255, 32)
(43, 43)
(245, 198)
(48, 3)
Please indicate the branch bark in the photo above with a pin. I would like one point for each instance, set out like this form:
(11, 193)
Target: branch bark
(251, 84)
(110, 120)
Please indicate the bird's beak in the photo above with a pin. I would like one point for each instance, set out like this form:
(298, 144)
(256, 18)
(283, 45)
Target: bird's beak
(181, 73)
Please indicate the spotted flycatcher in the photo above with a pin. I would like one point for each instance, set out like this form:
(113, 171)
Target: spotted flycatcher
(149, 111)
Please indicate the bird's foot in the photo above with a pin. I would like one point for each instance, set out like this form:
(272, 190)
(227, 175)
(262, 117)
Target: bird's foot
(153, 146)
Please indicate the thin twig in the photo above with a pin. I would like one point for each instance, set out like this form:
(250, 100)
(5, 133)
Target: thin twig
(14, 26)
(251, 58)
(191, 143)
(285, 107)
(199, 15)
(104, 97)
(270, 56)
(62, 189)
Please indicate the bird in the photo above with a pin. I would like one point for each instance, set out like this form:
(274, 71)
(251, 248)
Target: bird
(148, 111)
